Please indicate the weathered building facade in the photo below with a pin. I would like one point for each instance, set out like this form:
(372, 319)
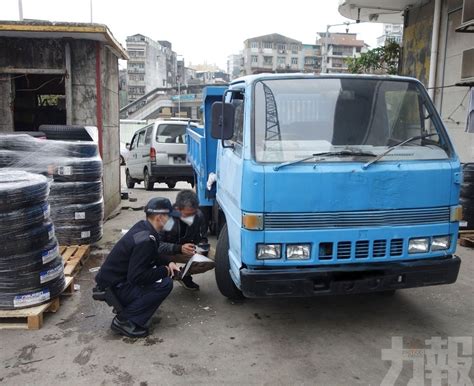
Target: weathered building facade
(437, 49)
(63, 73)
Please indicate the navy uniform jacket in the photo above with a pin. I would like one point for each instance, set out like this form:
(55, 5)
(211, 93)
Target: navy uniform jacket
(134, 259)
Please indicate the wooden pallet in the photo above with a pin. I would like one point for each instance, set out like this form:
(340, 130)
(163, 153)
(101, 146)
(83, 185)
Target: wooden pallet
(31, 318)
(74, 257)
(466, 238)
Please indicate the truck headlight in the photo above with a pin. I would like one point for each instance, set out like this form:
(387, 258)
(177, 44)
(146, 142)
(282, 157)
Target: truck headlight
(440, 243)
(268, 251)
(298, 252)
(420, 245)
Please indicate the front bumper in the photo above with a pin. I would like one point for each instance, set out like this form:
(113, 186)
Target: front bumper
(348, 279)
(172, 171)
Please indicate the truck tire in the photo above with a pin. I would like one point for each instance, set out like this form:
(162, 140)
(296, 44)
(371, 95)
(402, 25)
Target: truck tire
(77, 169)
(79, 149)
(147, 181)
(69, 193)
(79, 234)
(19, 189)
(129, 180)
(22, 219)
(224, 281)
(80, 214)
(33, 259)
(21, 142)
(28, 240)
(68, 132)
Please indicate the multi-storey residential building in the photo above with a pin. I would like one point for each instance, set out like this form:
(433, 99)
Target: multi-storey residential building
(340, 46)
(234, 63)
(391, 32)
(311, 58)
(272, 53)
(152, 64)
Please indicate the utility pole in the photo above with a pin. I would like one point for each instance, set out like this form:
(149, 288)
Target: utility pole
(179, 95)
(20, 9)
(91, 9)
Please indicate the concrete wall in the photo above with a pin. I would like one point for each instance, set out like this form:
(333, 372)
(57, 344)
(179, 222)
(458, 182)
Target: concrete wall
(49, 54)
(451, 101)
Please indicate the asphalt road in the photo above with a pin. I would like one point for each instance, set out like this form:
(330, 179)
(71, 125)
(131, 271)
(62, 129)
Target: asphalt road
(202, 338)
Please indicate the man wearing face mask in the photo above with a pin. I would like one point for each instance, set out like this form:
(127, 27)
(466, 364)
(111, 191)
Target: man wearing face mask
(138, 275)
(189, 231)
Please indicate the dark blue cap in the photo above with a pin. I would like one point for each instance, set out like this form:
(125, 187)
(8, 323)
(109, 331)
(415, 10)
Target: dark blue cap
(161, 205)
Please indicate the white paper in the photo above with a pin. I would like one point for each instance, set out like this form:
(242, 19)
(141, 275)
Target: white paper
(197, 258)
(80, 215)
(50, 255)
(65, 170)
(85, 234)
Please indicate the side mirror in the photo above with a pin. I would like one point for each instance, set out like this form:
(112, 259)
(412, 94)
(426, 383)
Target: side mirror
(127, 146)
(222, 120)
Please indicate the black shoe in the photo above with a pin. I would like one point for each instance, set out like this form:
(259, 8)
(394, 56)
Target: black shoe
(187, 282)
(128, 328)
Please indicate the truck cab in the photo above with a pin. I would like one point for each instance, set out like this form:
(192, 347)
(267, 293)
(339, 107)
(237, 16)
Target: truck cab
(331, 184)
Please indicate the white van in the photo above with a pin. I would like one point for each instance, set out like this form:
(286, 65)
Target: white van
(158, 154)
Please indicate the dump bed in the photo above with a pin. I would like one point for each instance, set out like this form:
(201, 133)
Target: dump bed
(202, 148)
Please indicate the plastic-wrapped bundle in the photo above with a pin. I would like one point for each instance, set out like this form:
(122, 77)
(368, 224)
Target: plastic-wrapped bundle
(75, 169)
(68, 193)
(31, 268)
(8, 158)
(80, 214)
(79, 234)
(33, 297)
(24, 218)
(19, 189)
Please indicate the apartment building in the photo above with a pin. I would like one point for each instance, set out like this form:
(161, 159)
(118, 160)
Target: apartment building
(152, 64)
(234, 63)
(272, 53)
(312, 58)
(391, 32)
(340, 46)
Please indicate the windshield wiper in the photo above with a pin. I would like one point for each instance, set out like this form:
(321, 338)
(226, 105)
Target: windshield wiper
(397, 145)
(341, 153)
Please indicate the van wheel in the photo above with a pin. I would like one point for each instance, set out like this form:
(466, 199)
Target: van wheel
(171, 184)
(147, 181)
(224, 281)
(129, 180)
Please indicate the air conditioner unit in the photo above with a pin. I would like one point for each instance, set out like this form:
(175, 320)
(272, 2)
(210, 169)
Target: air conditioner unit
(281, 51)
(467, 67)
(467, 20)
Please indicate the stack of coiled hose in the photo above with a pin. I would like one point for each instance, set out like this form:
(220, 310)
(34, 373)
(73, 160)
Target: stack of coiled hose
(75, 168)
(31, 268)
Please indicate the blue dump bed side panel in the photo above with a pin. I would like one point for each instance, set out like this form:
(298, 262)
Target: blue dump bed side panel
(202, 148)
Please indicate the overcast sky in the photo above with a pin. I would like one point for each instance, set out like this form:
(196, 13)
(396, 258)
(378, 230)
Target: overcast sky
(200, 30)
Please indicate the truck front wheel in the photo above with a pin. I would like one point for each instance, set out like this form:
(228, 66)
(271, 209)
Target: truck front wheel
(224, 281)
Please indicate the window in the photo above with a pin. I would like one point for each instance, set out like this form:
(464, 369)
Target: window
(254, 59)
(281, 47)
(141, 138)
(267, 45)
(294, 48)
(281, 60)
(238, 120)
(171, 133)
(268, 60)
(133, 144)
(327, 114)
(149, 130)
(294, 60)
(254, 45)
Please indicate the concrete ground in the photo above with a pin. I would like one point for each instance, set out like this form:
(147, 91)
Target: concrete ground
(202, 338)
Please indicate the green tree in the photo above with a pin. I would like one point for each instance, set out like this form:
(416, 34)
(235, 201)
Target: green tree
(380, 60)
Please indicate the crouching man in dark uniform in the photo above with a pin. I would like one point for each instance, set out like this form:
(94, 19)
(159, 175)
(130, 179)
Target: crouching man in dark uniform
(190, 230)
(139, 277)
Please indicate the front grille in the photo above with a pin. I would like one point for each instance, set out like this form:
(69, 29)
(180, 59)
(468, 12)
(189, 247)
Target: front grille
(364, 249)
(356, 219)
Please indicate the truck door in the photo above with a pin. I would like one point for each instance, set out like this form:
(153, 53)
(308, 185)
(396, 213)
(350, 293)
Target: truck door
(230, 178)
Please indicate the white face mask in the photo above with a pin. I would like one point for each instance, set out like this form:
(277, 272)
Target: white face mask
(188, 220)
(168, 225)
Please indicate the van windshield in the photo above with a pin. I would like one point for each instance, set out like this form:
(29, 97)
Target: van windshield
(171, 133)
(295, 118)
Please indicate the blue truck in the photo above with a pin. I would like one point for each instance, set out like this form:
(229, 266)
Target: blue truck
(326, 184)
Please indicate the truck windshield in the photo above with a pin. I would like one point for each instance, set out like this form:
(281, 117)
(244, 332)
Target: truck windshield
(295, 118)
